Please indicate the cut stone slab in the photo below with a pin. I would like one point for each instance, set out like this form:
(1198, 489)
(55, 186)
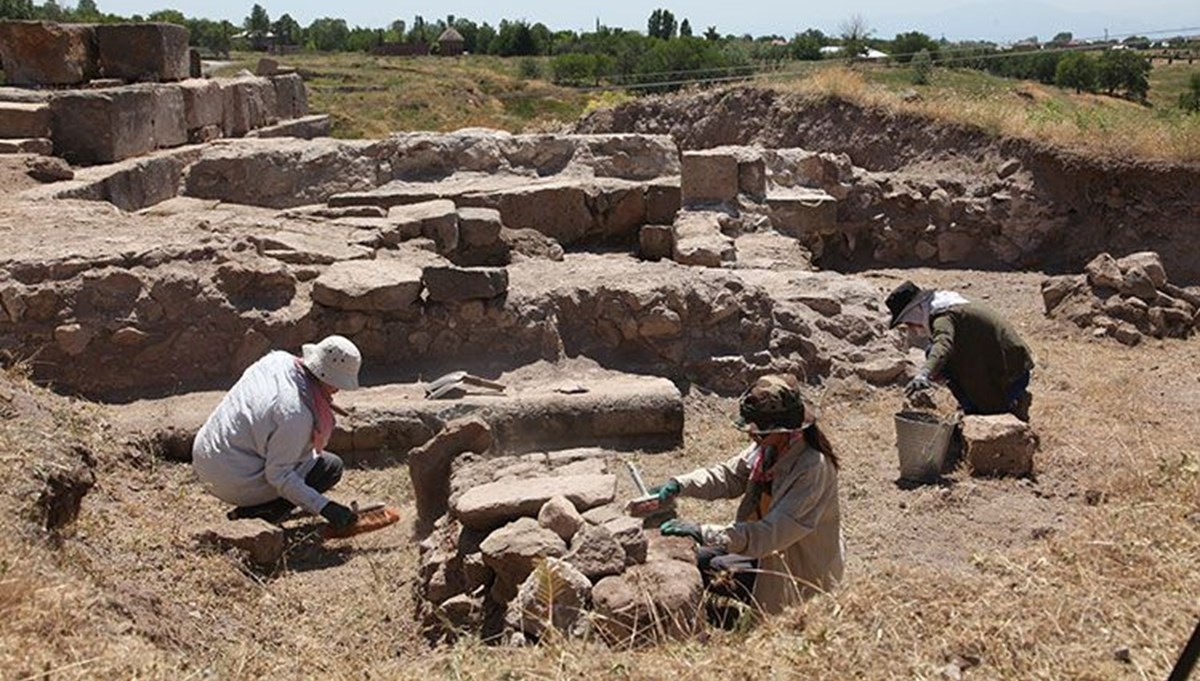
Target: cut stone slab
(261, 541)
(663, 199)
(369, 286)
(493, 504)
(24, 120)
(455, 284)
(801, 212)
(37, 145)
(305, 128)
(152, 52)
(429, 465)
(999, 445)
(709, 176)
(291, 99)
(202, 103)
(656, 242)
(246, 103)
(170, 118)
(47, 53)
(437, 220)
(479, 227)
(699, 241)
(102, 126)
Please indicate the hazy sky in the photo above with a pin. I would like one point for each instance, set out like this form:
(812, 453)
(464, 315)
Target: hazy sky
(955, 19)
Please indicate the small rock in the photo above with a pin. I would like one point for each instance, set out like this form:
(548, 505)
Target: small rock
(554, 595)
(596, 553)
(629, 534)
(559, 516)
(48, 169)
(1007, 168)
(72, 339)
(999, 445)
(1094, 497)
(261, 541)
(1122, 655)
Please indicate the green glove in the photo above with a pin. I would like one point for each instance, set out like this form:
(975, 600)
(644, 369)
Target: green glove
(339, 516)
(666, 491)
(682, 528)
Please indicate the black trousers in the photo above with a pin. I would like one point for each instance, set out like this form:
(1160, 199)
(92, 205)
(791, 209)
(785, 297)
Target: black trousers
(323, 476)
(727, 574)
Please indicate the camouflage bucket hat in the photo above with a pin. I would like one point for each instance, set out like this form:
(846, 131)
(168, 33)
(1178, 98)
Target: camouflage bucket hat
(774, 404)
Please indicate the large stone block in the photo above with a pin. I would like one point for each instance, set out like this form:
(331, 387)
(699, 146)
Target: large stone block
(479, 227)
(513, 550)
(170, 117)
(662, 202)
(999, 445)
(44, 53)
(1149, 262)
(151, 52)
(102, 126)
(709, 176)
(453, 284)
(305, 128)
(369, 286)
(656, 242)
(803, 212)
(247, 103)
(651, 602)
(19, 120)
(493, 504)
(291, 98)
(437, 220)
(531, 612)
(202, 103)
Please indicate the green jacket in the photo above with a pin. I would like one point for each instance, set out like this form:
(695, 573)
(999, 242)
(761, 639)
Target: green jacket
(980, 352)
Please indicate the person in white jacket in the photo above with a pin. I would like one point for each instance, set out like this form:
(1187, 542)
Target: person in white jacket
(262, 449)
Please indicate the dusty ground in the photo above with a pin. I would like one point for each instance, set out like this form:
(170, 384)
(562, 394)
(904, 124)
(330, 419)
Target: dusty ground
(1087, 571)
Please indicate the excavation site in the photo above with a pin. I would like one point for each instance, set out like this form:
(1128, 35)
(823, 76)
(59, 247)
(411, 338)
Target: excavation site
(551, 323)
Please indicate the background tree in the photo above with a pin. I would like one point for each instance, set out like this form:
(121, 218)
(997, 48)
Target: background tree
(711, 34)
(1124, 71)
(922, 67)
(168, 16)
(1189, 100)
(327, 34)
(907, 45)
(807, 45)
(86, 10)
(854, 33)
(1062, 39)
(287, 30)
(1076, 70)
(661, 24)
(258, 22)
(685, 29)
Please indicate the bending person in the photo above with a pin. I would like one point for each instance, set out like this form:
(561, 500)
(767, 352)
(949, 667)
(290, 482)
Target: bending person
(262, 449)
(786, 541)
(983, 361)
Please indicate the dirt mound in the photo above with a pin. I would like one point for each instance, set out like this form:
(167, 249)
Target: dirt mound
(1085, 204)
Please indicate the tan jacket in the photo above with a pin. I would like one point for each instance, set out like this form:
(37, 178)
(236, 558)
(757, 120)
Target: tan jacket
(799, 542)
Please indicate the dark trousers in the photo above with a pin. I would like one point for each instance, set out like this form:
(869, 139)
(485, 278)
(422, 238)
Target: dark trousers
(324, 475)
(1016, 396)
(727, 574)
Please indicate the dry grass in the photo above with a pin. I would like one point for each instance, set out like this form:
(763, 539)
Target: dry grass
(1022, 579)
(1087, 123)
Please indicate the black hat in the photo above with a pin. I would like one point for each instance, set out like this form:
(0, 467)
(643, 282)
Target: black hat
(899, 300)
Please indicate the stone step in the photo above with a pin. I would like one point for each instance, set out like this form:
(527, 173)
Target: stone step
(31, 145)
(307, 127)
(609, 409)
(801, 212)
(21, 120)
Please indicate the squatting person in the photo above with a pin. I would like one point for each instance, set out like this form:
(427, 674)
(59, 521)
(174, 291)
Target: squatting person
(262, 449)
(786, 542)
(977, 353)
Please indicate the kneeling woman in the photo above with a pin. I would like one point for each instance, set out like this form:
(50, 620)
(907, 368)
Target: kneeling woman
(786, 543)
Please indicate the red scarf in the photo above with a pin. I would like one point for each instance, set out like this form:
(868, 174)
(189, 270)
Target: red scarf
(322, 408)
(763, 468)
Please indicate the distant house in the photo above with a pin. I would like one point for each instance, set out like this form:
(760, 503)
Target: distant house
(258, 41)
(450, 43)
(867, 53)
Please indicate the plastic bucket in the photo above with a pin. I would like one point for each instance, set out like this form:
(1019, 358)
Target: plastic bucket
(922, 441)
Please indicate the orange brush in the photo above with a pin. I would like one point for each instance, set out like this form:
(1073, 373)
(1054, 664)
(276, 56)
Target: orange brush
(369, 518)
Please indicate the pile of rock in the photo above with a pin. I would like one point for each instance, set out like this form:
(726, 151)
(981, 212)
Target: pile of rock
(522, 545)
(1124, 298)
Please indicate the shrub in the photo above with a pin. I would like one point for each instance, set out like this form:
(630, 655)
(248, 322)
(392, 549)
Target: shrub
(1076, 70)
(1189, 100)
(922, 67)
(529, 68)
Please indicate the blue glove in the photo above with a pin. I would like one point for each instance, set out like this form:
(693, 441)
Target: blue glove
(682, 528)
(666, 491)
(919, 383)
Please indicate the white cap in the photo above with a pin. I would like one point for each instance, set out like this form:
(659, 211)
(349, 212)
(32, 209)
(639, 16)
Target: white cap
(335, 361)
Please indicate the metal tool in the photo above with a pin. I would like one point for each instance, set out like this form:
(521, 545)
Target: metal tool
(646, 504)
(454, 384)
